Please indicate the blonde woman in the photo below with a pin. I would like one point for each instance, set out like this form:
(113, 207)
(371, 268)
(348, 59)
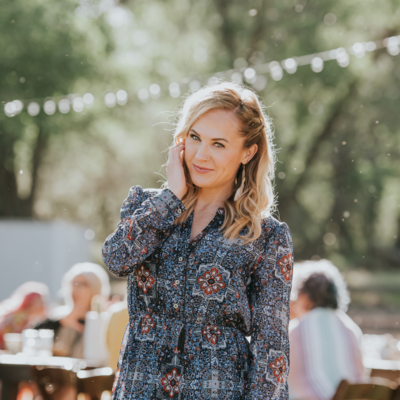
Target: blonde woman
(80, 284)
(207, 264)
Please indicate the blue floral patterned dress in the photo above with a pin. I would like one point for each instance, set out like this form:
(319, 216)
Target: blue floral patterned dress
(191, 305)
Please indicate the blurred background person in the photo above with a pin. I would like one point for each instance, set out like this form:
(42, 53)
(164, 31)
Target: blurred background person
(324, 341)
(24, 308)
(82, 284)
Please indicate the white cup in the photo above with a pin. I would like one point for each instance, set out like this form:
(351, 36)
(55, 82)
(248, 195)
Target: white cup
(13, 342)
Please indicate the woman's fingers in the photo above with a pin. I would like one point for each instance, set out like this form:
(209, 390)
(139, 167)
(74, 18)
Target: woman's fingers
(175, 171)
(176, 150)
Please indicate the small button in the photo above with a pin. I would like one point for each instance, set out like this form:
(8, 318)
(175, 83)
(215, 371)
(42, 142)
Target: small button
(176, 305)
(177, 282)
(180, 258)
(178, 210)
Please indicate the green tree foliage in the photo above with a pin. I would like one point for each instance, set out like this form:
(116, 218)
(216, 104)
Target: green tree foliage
(46, 52)
(337, 131)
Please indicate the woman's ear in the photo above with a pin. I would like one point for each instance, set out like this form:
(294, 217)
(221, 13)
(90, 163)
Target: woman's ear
(250, 153)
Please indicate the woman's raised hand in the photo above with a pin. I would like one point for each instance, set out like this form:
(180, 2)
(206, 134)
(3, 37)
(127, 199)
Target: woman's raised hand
(175, 173)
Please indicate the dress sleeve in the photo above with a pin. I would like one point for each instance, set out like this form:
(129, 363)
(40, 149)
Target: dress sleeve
(270, 308)
(146, 221)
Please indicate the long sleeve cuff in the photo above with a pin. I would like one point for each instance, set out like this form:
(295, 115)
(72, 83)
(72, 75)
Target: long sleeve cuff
(167, 202)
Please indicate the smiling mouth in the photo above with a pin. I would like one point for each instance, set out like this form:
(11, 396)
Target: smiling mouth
(200, 169)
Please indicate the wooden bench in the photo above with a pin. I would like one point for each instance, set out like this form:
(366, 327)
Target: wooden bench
(371, 389)
(55, 382)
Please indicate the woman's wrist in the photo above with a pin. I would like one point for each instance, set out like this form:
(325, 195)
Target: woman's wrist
(178, 193)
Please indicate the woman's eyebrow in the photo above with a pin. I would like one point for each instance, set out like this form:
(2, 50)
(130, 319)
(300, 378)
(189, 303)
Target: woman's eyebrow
(216, 139)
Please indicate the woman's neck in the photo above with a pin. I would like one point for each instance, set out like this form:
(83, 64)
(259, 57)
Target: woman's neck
(213, 197)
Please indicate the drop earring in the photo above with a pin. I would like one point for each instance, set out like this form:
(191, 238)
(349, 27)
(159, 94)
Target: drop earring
(240, 191)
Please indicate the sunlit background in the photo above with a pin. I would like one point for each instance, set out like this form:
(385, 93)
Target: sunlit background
(88, 89)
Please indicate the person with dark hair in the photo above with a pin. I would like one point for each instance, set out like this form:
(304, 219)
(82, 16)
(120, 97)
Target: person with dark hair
(317, 291)
(323, 339)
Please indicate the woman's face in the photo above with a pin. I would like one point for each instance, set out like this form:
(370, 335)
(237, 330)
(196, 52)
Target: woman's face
(214, 150)
(81, 292)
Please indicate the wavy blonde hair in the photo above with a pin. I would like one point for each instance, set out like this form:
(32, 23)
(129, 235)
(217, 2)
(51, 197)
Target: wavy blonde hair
(258, 199)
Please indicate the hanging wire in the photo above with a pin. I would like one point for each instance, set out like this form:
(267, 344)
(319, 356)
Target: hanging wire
(252, 75)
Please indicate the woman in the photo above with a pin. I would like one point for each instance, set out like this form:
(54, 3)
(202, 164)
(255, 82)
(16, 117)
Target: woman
(207, 265)
(25, 307)
(80, 284)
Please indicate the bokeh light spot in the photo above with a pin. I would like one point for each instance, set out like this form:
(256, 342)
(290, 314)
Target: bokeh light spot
(122, 97)
(317, 64)
(78, 105)
(250, 75)
(237, 77)
(155, 91)
(329, 239)
(330, 19)
(174, 89)
(194, 86)
(64, 106)
(275, 70)
(33, 109)
(143, 95)
(88, 99)
(110, 100)
(49, 107)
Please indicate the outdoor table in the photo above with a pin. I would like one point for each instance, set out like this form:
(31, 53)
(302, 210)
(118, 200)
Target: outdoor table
(17, 368)
(373, 363)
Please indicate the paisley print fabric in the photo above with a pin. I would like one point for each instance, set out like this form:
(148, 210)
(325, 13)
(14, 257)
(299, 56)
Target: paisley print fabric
(192, 305)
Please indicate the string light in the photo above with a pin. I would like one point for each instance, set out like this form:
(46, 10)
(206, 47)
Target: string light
(253, 75)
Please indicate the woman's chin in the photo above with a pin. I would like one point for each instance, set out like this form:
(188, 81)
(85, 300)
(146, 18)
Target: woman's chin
(202, 183)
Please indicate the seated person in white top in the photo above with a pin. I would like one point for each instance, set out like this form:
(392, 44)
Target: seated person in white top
(324, 340)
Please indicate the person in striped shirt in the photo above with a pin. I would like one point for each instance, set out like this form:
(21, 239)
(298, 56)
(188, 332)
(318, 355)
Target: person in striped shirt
(324, 340)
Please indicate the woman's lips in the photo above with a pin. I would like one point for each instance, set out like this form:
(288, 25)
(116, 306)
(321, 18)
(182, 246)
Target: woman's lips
(201, 170)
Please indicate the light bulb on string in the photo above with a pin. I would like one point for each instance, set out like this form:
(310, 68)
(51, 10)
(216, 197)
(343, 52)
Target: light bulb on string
(122, 97)
(275, 70)
(358, 49)
(10, 109)
(78, 105)
(194, 86)
(250, 75)
(342, 57)
(155, 91)
(290, 65)
(33, 109)
(317, 64)
(64, 106)
(237, 77)
(174, 89)
(392, 45)
(49, 107)
(143, 95)
(260, 83)
(88, 99)
(110, 100)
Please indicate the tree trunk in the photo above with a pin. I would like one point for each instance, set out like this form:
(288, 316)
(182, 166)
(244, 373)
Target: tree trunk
(10, 204)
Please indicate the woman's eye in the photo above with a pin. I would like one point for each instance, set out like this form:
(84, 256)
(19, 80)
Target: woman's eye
(194, 137)
(219, 145)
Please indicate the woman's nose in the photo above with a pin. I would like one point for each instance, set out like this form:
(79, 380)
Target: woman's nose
(202, 154)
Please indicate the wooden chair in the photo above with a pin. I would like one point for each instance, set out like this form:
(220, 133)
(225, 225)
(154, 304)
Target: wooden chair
(391, 374)
(372, 389)
(53, 382)
(94, 382)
